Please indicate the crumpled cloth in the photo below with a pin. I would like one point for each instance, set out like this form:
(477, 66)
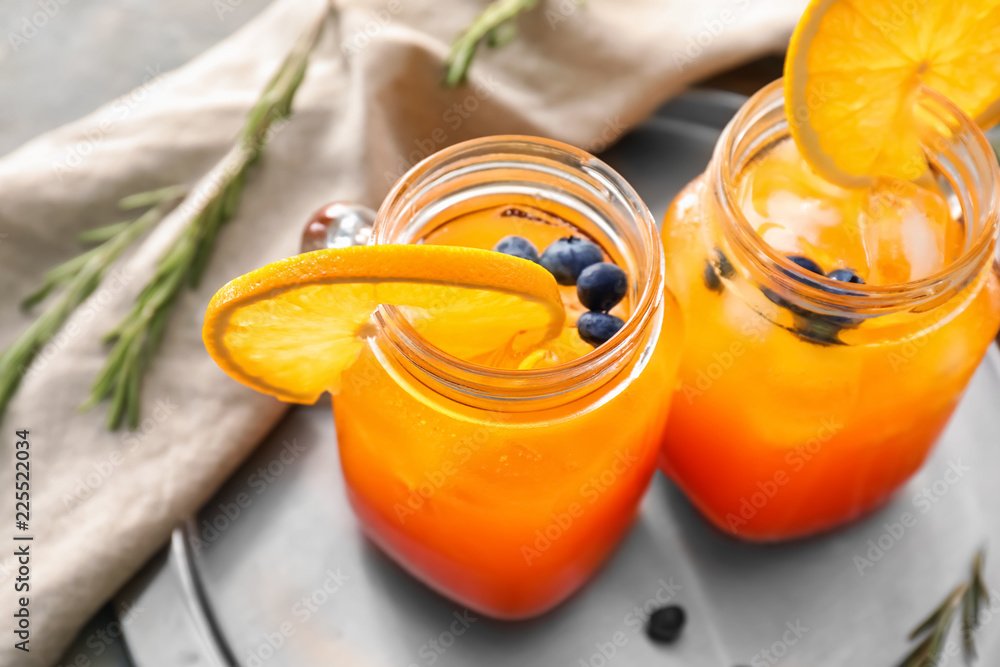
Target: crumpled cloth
(371, 106)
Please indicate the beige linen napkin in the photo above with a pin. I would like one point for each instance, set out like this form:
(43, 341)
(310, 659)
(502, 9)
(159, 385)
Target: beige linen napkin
(370, 107)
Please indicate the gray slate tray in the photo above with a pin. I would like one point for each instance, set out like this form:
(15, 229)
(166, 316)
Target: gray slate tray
(289, 581)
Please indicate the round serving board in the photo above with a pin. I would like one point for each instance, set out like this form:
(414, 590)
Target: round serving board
(274, 570)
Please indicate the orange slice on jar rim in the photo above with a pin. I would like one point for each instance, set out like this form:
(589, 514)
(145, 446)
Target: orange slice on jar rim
(854, 70)
(291, 328)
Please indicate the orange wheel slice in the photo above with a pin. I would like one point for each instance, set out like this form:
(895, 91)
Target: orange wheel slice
(290, 329)
(854, 68)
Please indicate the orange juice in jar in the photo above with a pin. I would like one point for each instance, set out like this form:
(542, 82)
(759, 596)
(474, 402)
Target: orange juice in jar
(503, 480)
(831, 330)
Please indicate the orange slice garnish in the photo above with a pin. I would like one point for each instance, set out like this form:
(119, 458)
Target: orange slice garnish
(291, 328)
(854, 69)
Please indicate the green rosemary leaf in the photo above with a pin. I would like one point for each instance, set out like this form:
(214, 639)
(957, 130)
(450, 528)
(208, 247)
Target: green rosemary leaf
(919, 656)
(16, 359)
(458, 65)
(501, 36)
(112, 335)
(969, 623)
(57, 277)
(978, 583)
(133, 393)
(102, 234)
(152, 197)
(973, 601)
(116, 408)
(157, 327)
(941, 631)
(486, 27)
(106, 378)
(934, 619)
(38, 295)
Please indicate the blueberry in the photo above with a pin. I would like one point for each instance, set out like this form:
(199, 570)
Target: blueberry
(601, 286)
(805, 263)
(846, 276)
(598, 328)
(517, 246)
(726, 269)
(819, 328)
(711, 278)
(567, 257)
(665, 624)
(802, 262)
(810, 326)
(719, 267)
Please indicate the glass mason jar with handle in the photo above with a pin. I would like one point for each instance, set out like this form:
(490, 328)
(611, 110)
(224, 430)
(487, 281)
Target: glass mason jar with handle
(504, 484)
(805, 400)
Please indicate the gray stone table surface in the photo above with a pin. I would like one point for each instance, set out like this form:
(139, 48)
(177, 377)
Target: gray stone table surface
(60, 60)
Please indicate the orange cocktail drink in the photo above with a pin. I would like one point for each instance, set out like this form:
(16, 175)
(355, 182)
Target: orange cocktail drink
(505, 478)
(831, 330)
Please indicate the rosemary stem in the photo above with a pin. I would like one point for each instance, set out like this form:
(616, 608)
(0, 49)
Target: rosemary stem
(463, 50)
(81, 276)
(205, 211)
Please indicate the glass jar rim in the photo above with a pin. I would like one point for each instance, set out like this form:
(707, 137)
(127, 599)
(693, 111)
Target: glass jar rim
(831, 295)
(547, 156)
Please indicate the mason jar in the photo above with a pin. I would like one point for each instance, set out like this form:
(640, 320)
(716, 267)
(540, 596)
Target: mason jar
(505, 488)
(802, 402)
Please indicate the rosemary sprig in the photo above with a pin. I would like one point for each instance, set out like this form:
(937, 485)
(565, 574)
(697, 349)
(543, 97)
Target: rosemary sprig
(78, 278)
(137, 337)
(494, 26)
(967, 599)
